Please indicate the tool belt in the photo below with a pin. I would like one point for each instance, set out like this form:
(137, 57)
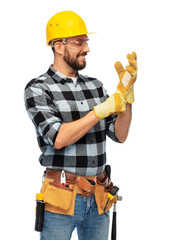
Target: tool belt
(61, 199)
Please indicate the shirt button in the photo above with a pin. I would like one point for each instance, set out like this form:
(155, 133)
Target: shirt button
(81, 102)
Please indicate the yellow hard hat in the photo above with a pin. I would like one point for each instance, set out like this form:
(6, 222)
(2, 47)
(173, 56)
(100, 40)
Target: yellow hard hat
(65, 24)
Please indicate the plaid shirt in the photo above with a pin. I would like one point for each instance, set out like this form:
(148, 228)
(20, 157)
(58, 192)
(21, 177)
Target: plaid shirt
(52, 100)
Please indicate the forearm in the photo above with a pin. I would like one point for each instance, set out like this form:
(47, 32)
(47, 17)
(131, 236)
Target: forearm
(71, 132)
(122, 124)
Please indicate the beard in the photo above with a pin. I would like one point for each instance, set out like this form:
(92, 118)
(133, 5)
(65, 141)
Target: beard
(74, 63)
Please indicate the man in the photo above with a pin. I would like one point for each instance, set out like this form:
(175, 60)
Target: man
(72, 115)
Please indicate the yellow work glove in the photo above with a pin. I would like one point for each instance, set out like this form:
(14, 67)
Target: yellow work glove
(127, 77)
(114, 104)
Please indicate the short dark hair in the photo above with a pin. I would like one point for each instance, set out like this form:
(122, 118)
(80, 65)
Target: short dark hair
(53, 49)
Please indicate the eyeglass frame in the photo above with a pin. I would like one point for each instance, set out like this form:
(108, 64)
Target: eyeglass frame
(64, 41)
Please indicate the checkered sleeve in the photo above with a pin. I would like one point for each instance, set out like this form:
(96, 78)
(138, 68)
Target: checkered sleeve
(42, 112)
(110, 122)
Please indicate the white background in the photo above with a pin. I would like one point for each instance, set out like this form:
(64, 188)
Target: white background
(145, 166)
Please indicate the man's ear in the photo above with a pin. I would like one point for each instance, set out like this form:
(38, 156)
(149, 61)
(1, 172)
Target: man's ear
(59, 48)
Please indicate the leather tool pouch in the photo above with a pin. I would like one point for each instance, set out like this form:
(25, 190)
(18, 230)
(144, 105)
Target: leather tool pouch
(87, 186)
(57, 198)
(101, 197)
(61, 199)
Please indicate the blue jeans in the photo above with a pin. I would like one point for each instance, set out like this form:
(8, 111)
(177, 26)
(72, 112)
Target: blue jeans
(90, 225)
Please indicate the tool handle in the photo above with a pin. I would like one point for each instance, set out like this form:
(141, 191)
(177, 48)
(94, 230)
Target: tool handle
(108, 171)
(39, 216)
(113, 233)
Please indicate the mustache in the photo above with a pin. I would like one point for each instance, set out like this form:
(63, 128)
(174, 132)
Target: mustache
(81, 54)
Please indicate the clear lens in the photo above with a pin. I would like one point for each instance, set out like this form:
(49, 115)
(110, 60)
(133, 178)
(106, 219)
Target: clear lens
(80, 43)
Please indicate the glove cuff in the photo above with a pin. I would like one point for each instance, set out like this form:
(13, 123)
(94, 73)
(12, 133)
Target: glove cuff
(130, 95)
(101, 110)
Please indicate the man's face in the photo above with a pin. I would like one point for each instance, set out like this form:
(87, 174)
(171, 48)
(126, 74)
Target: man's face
(75, 51)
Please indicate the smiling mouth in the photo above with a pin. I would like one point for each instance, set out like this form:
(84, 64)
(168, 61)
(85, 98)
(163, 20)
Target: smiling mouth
(82, 55)
(82, 58)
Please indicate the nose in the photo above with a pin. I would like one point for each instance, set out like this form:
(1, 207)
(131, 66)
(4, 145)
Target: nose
(86, 48)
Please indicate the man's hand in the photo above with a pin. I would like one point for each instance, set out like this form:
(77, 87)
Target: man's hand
(127, 77)
(114, 104)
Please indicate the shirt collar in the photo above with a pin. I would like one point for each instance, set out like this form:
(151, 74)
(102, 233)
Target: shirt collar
(59, 77)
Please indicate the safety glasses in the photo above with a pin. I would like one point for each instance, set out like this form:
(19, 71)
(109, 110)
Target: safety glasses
(74, 44)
